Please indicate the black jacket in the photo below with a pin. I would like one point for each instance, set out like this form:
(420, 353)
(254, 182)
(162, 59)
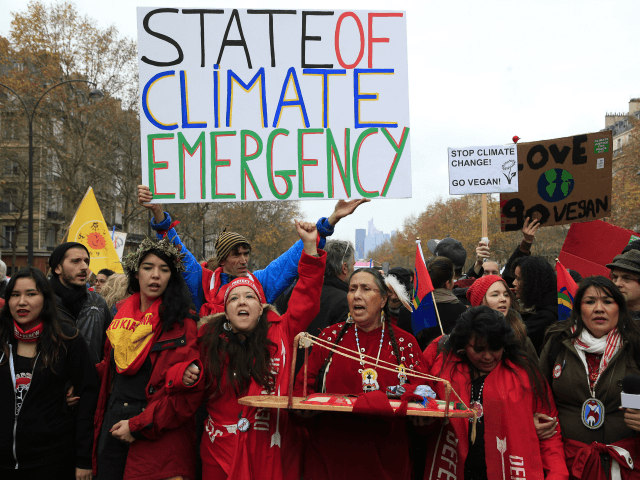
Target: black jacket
(44, 427)
(449, 314)
(537, 322)
(93, 321)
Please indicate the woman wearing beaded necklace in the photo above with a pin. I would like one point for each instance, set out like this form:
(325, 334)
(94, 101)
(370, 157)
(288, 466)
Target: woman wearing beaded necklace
(347, 445)
(39, 355)
(586, 359)
(486, 366)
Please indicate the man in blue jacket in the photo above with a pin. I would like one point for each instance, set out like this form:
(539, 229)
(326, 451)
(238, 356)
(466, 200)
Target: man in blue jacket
(233, 250)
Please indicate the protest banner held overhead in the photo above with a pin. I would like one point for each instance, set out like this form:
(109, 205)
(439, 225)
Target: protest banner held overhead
(483, 170)
(561, 181)
(273, 104)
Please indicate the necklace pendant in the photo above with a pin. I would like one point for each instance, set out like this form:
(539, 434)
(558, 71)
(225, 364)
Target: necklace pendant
(243, 424)
(592, 413)
(370, 380)
(402, 374)
(477, 406)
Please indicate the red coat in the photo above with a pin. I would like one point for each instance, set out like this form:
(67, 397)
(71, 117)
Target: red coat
(346, 445)
(168, 422)
(512, 447)
(269, 449)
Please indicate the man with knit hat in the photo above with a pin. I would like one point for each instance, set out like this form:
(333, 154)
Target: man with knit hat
(625, 273)
(207, 287)
(69, 264)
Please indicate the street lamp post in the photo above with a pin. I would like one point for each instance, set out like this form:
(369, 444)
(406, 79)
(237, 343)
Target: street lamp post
(94, 94)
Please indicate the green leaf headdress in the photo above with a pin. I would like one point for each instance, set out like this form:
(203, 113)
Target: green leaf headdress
(131, 263)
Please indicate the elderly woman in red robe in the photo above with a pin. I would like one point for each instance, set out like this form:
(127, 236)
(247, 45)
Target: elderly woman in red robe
(347, 445)
(247, 351)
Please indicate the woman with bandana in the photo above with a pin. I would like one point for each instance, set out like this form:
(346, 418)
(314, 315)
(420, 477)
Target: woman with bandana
(247, 351)
(39, 355)
(150, 385)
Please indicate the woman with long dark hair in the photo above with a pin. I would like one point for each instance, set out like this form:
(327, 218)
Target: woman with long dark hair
(39, 355)
(586, 359)
(351, 446)
(535, 288)
(483, 361)
(247, 351)
(150, 390)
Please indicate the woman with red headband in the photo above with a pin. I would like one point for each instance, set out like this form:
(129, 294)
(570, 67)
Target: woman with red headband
(39, 355)
(247, 351)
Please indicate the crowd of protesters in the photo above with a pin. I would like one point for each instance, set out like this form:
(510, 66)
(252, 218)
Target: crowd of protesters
(140, 376)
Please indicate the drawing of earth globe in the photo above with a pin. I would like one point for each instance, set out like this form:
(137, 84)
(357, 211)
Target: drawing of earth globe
(555, 185)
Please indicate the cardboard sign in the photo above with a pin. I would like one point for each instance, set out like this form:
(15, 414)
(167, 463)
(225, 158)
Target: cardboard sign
(561, 181)
(273, 104)
(590, 246)
(483, 170)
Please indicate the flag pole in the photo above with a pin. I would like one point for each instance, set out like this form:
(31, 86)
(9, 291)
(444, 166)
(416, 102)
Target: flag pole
(435, 306)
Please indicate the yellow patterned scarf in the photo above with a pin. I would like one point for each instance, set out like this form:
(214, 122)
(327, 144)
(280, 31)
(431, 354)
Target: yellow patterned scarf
(133, 333)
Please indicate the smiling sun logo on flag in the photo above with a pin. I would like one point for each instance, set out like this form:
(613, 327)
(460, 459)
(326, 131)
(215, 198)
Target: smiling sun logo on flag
(89, 228)
(92, 234)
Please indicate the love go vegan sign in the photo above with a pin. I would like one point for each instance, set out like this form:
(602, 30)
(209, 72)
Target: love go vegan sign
(273, 104)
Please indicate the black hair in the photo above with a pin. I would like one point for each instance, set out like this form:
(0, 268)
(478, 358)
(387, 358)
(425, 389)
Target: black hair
(243, 360)
(628, 328)
(51, 340)
(538, 280)
(441, 271)
(106, 272)
(176, 299)
(394, 343)
(486, 324)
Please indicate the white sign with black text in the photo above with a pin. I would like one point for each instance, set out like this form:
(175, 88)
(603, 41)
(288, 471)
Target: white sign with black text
(492, 169)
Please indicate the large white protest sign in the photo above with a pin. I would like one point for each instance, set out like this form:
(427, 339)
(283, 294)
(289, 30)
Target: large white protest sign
(491, 169)
(273, 104)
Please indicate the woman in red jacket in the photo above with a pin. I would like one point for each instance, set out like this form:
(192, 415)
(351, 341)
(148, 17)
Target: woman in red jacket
(246, 351)
(487, 368)
(348, 446)
(144, 423)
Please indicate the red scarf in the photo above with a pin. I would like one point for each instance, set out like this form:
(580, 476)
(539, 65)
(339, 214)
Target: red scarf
(133, 333)
(511, 443)
(584, 460)
(30, 336)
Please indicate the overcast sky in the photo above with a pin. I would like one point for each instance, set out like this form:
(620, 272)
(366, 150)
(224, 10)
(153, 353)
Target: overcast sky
(480, 72)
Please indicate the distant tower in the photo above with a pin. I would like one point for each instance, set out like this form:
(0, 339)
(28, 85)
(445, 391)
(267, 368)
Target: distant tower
(361, 234)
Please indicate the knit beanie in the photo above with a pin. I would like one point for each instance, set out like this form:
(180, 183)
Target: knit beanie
(225, 243)
(58, 253)
(479, 288)
(243, 282)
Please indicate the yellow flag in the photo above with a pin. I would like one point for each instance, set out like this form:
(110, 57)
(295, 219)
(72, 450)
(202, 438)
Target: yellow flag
(89, 228)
